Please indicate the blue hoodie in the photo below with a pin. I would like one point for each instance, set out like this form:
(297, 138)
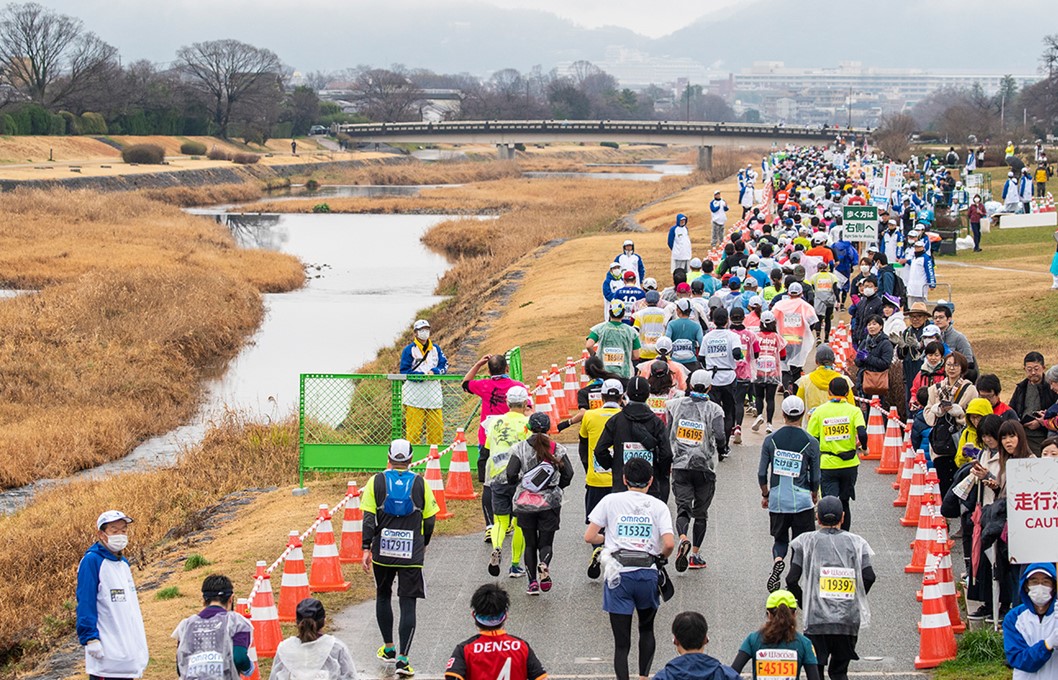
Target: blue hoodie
(1024, 633)
(696, 667)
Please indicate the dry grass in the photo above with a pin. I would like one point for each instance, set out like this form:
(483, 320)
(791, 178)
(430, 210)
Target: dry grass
(416, 172)
(214, 194)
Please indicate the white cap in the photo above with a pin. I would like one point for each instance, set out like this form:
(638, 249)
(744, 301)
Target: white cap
(819, 237)
(700, 377)
(650, 284)
(663, 344)
(796, 289)
(931, 331)
(793, 406)
(683, 304)
(421, 323)
(756, 301)
(628, 242)
(611, 387)
(753, 259)
(696, 263)
(400, 451)
(615, 265)
(517, 395)
(111, 516)
(767, 317)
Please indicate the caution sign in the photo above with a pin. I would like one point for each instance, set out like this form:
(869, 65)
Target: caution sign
(860, 223)
(1032, 509)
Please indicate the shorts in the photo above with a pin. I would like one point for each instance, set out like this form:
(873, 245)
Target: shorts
(592, 496)
(796, 523)
(410, 581)
(637, 590)
(546, 520)
(502, 498)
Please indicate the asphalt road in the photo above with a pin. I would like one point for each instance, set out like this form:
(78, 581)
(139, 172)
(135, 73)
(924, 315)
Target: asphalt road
(571, 633)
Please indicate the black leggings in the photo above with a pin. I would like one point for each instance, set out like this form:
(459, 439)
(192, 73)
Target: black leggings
(742, 388)
(765, 392)
(828, 316)
(724, 395)
(486, 505)
(384, 615)
(621, 624)
(539, 547)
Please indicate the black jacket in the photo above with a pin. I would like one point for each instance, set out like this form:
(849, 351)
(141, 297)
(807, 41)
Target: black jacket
(636, 423)
(879, 353)
(865, 309)
(1017, 400)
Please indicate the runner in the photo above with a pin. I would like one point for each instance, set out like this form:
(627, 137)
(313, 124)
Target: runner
(399, 509)
(795, 319)
(493, 391)
(640, 534)
(690, 635)
(598, 481)
(777, 650)
(650, 323)
(721, 350)
(789, 481)
(214, 638)
(696, 436)
(540, 470)
(768, 370)
(636, 432)
(662, 388)
(814, 388)
(744, 369)
(837, 571)
(312, 653)
(503, 433)
(841, 431)
(617, 342)
(492, 653)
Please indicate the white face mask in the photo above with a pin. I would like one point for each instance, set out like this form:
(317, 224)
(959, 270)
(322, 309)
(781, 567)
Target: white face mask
(865, 268)
(1040, 595)
(117, 542)
(423, 334)
(868, 292)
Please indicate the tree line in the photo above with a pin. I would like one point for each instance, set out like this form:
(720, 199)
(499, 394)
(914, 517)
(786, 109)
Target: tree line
(57, 77)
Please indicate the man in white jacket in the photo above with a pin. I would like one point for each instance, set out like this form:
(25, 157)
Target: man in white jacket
(109, 622)
(1012, 194)
(718, 210)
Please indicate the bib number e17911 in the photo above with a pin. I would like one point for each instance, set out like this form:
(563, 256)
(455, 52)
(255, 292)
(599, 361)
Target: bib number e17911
(396, 543)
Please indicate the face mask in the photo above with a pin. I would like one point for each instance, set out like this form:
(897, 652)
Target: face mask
(423, 335)
(865, 268)
(1040, 595)
(868, 292)
(117, 543)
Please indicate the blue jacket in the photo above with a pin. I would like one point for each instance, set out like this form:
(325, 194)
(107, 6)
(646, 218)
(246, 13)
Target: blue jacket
(847, 257)
(641, 271)
(672, 230)
(87, 589)
(1024, 633)
(407, 361)
(696, 667)
(607, 287)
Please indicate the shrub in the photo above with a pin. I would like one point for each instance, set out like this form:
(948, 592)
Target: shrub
(56, 125)
(72, 122)
(609, 145)
(194, 561)
(93, 123)
(312, 185)
(147, 154)
(7, 125)
(321, 208)
(216, 154)
(245, 158)
(170, 593)
(519, 147)
(190, 148)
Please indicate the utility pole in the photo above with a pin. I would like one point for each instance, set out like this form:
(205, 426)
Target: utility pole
(1003, 111)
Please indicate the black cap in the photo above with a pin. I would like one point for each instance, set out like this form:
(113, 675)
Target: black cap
(539, 422)
(638, 389)
(310, 608)
(829, 510)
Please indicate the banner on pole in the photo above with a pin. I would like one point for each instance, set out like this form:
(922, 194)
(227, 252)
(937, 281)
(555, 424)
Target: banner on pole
(860, 223)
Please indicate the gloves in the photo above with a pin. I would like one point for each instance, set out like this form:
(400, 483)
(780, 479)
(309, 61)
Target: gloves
(861, 356)
(563, 424)
(95, 649)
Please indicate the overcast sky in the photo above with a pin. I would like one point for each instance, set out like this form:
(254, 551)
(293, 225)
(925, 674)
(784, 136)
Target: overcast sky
(641, 16)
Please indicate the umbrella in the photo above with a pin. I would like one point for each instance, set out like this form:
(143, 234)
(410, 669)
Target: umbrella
(975, 550)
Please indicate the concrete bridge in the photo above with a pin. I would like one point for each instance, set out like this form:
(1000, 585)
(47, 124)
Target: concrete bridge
(506, 133)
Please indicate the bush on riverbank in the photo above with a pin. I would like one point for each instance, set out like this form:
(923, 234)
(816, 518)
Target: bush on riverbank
(190, 148)
(145, 154)
(212, 194)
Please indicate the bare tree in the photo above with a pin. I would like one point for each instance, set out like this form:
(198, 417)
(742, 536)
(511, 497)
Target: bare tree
(893, 136)
(225, 72)
(48, 56)
(387, 96)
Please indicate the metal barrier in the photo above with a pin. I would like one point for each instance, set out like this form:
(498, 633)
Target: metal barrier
(346, 421)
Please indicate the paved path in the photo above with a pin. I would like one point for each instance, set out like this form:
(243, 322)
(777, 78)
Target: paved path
(569, 630)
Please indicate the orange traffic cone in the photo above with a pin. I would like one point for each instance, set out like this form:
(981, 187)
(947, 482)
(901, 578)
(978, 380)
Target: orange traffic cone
(584, 379)
(914, 494)
(904, 448)
(295, 584)
(945, 577)
(243, 607)
(559, 391)
(436, 482)
(891, 446)
(875, 430)
(923, 537)
(571, 386)
(460, 484)
(543, 403)
(352, 548)
(936, 638)
(907, 472)
(325, 573)
(263, 616)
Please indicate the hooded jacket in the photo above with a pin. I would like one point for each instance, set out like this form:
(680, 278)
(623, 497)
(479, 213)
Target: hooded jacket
(696, 667)
(1025, 632)
(680, 239)
(635, 432)
(976, 407)
(632, 262)
(108, 610)
(814, 388)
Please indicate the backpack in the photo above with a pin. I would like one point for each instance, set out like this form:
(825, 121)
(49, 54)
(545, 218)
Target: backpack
(899, 288)
(944, 437)
(397, 498)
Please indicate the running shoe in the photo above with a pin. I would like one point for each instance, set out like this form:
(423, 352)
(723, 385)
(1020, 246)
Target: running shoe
(544, 575)
(757, 423)
(488, 533)
(510, 528)
(494, 562)
(517, 571)
(980, 614)
(768, 429)
(736, 437)
(404, 668)
(681, 555)
(595, 566)
(533, 589)
(696, 561)
(386, 655)
(776, 572)
(751, 410)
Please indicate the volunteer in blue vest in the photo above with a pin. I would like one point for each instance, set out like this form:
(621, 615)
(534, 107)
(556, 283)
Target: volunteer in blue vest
(788, 474)
(1030, 630)
(214, 636)
(842, 432)
(720, 352)
(638, 535)
(616, 342)
(399, 509)
(109, 622)
(423, 400)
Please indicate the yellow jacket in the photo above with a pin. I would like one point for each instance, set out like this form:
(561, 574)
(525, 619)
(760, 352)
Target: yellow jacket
(976, 407)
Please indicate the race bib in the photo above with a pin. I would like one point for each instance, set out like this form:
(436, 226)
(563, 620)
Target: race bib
(205, 666)
(613, 356)
(638, 528)
(690, 432)
(824, 285)
(637, 450)
(836, 429)
(396, 543)
(716, 349)
(787, 463)
(656, 404)
(766, 363)
(837, 583)
(776, 664)
(792, 320)
(594, 400)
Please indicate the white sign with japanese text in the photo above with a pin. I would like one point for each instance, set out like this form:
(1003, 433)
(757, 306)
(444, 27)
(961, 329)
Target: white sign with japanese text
(1032, 509)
